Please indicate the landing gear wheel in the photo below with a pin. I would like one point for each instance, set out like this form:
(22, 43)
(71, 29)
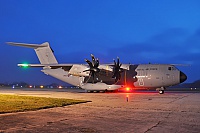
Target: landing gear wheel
(161, 91)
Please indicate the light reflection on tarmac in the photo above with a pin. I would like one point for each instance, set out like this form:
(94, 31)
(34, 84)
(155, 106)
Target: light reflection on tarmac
(144, 112)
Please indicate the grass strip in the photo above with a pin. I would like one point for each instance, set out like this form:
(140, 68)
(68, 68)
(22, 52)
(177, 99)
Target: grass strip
(15, 103)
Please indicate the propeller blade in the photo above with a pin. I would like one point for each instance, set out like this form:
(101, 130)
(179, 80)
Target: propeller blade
(96, 63)
(93, 77)
(86, 70)
(117, 61)
(114, 62)
(89, 62)
(117, 70)
(93, 67)
(120, 65)
(93, 59)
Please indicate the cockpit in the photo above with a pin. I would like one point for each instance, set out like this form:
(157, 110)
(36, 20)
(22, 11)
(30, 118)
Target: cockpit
(171, 68)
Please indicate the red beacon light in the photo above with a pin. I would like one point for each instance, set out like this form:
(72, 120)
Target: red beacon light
(127, 89)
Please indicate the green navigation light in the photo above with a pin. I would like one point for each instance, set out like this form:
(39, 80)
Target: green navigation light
(25, 65)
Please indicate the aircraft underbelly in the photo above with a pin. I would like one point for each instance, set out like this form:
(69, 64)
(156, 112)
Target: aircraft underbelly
(99, 86)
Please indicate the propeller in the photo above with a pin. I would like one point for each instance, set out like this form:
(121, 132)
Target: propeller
(117, 70)
(93, 67)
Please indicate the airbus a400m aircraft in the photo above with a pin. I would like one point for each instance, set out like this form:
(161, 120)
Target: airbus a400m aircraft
(94, 76)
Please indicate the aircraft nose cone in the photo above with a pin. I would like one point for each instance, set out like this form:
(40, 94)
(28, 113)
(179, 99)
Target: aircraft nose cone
(183, 77)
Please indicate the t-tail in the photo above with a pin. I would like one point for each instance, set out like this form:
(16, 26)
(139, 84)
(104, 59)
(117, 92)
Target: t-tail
(43, 51)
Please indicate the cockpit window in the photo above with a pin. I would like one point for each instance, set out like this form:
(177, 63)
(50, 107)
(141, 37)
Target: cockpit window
(171, 68)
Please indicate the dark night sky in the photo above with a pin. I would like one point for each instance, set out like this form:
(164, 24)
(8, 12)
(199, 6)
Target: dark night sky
(136, 31)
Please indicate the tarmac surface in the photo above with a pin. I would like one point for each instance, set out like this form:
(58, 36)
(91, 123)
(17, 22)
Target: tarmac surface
(138, 112)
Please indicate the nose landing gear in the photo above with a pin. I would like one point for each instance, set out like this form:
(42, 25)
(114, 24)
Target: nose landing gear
(161, 90)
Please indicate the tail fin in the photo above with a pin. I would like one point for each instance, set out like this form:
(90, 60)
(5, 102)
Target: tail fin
(43, 51)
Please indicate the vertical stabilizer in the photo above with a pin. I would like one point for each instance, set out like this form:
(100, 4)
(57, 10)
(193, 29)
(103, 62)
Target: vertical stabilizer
(45, 54)
(43, 51)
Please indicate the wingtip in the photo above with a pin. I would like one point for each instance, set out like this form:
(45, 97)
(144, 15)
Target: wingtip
(10, 43)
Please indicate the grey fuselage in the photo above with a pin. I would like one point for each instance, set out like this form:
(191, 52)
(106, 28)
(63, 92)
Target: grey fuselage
(135, 76)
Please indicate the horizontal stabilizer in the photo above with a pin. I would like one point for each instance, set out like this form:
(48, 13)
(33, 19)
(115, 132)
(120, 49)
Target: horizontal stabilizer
(29, 45)
(31, 65)
(44, 65)
(66, 67)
